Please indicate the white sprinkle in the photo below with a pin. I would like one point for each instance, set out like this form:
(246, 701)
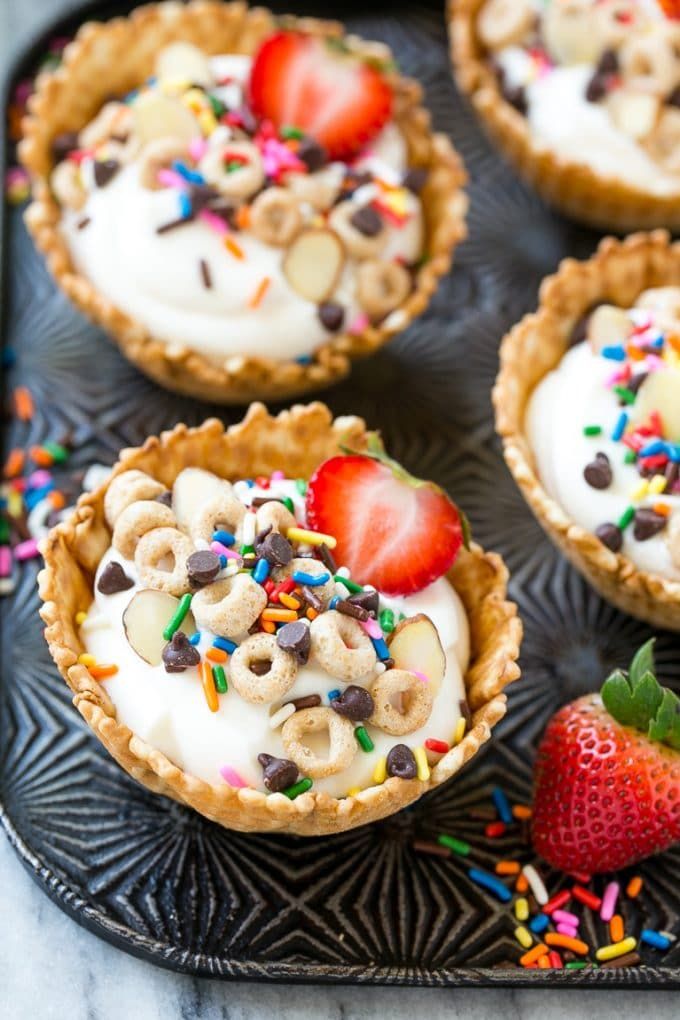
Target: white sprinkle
(536, 884)
(35, 522)
(7, 585)
(279, 718)
(99, 622)
(202, 544)
(379, 667)
(341, 590)
(95, 476)
(342, 572)
(369, 587)
(248, 529)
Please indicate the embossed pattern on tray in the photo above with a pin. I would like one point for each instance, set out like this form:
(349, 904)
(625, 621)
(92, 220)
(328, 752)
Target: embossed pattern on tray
(162, 882)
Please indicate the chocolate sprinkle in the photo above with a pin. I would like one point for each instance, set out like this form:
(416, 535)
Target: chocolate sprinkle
(367, 221)
(415, 178)
(465, 711)
(597, 87)
(401, 763)
(368, 600)
(206, 275)
(259, 501)
(203, 567)
(179, 653)
(647, 523)
(113, 579)
(598, 473)
(312, 599)
(295, 638)
(310, 701)
(331, 316)
(348, 608)
(610, 535)
(609, 62)
(171, 224)
(354, 703)
(104, 171)
(83, 222)
(327, 558)
(277, 773)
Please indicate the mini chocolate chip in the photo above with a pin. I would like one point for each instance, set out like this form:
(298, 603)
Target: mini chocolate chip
(104, 171)
(249, 562)
(647, 523)
(368, 600)
(165, 498)
(113, 579)
(354, 703)
(202, 195)
(277, 773)
(64, 143)
(609, 62)
(674, 98)
(179, 653)
(401, 763)
(415, 178)
(327, 558)
(367, 221)
(203, 567)
(348, 608)
(610, 535)
(276, 549)
(636, 381)
(260, 537)
(312, 154)
(517, 97)
(260, 667)
(295, 638)
(310, 701)
(331, 316)
(598, 473)
(596, 89)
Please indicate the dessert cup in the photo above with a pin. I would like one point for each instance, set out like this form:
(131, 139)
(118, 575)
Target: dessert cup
(606, 202)
(616, 274)
(114, 57)
(294, 442)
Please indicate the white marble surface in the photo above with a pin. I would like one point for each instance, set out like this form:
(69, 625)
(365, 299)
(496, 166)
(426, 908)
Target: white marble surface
(51, 968)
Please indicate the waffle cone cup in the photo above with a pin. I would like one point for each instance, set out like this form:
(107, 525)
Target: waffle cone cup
(607, 203)
(295, 442)
(112, 58)
(617, 273)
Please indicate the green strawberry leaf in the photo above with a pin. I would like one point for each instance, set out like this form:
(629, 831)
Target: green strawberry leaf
(665, 727)
(637, 699)
(617, 698)
(643, 661)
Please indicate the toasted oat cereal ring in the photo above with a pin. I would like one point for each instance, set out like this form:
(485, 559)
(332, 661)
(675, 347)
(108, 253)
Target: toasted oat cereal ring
(67, 185)
(114, 120)
(261, 688)
(664, 304)
(234, 168)
(159, 154)
(663, 144)
(649, 62)
(223, 512)
(230, 606)
(414, 694)
(127, 488)
(342, 646)
(382, 286)
(343, 745)
(319, 189)
(569, 32)
(135, 520)
(673, 538)
(324, 592)
(161, 559)
(504, 23)
(275, 217)
(358, 245)
(613, 21)
(274, 515)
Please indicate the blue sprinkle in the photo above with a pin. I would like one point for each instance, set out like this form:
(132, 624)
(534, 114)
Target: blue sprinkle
(334, 601)
(312, 580)
(657, 342)
(502, 805)
(184, 205)
(250, 483)
(261, 571)
(304, 359)
(656, 446)
(32, 498)
(195, 638)
(332, 695)
(225, 644)
(655, 939)
(223, 537)
(381, 649)
(673, 452)
(3, 502)
(189, 175)
(620, 427)
(223, 561)
(490, 882)
(616, 353)
(539, 923)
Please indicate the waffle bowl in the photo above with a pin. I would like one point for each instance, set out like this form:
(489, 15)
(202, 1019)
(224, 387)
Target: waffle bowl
(606, 203)
(617, 274)
(295, 442)
(113, 57)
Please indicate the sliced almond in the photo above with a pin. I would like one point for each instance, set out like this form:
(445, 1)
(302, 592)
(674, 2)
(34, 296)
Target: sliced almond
(147, 615)
(660, 392)
(160, 116)
(181, 60)
(608, 326)
(634, 113)
(193, 489)
(415, 647)
(313, 264)
(504, 22)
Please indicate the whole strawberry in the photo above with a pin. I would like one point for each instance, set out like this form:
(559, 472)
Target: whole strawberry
(607, 775)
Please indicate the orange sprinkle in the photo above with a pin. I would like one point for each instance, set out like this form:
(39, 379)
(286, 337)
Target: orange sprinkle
(311, 614)
(616, 929)
(57, 499)
(522, 884)
(288, 601)
(260, 291)
(209, 686)
(635, 354)
(532, 955)
(544, 963)
(508, 868)
(14, 464)
(101, 671)
(216, 655)
(43, 458)
(243, 217)
(23, 403)
(235, 249)
(272, 615)
(661, 508)
(522, 812)
(268, 627)
(567, 942)
(634, 887)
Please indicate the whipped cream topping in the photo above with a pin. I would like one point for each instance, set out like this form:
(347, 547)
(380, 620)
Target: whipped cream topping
(157, 278)
(170, 712)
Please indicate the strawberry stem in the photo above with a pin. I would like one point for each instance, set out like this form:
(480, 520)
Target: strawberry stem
(636, 698)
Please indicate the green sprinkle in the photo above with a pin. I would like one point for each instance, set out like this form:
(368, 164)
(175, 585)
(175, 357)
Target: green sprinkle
(350, 585)
(178, 616)
(387, 621)
(624, 394)
(59, 452)
(4, 531)
(592, 430)
(232, 165)
(297, 788)
(288, 131)
(288, 503)
(576, 965)
(459, 846)
(301, 486)
(220, 679)
(218, 107)
(626, 517)
(365, 742)
(246, 550)
(402, 616)
(629, 457)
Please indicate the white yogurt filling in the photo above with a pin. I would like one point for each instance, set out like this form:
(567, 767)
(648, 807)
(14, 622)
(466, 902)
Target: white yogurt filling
(169, 710)
(156, 278)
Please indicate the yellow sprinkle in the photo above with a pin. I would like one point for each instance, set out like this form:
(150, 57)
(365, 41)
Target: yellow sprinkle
(380, 771)
(311, 537)
(521, 908)
(421, 762)
(616, 949)
(657, 484)
(459, 731)
(640, 491)
(231, 245)
(195, 97)
(354, 791)
(523, 936)
(81, 617)
(173, 86)
(14, 503)
(86, 659)
(207, 122)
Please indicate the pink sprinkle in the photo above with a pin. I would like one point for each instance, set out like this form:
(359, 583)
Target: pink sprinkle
(372, 628)
(38, 479)
(5, 561)
(421, 676)
(617, 377)
(223, 550)
(170, 179)
(654, 363)
(277, 476)
(213, 221)
(198, 148)
(27, 550)
(567, 929)
(231, 776)
(566, 917)
(611, 895)
(359, 324)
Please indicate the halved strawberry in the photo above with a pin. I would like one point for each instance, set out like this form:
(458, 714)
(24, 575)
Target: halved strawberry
(393, 531)
(321, 88)
(671, 8)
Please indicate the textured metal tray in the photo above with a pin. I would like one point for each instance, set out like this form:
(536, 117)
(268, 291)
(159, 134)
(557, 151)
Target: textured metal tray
(162, 882)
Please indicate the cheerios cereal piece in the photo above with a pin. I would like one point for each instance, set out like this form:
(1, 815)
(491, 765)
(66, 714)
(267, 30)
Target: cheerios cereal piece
(305, 565)
(161, 559)
(127, 488)
(416, 698)
(382, 286)
(135, 520)
(230, 606)
(234, 168)
(223, 512)
(275, 217)
(159, 154)
(262, 687)
(342, 646)
(113, 120)
(649, 62)
(274, 515)
(343, 745)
